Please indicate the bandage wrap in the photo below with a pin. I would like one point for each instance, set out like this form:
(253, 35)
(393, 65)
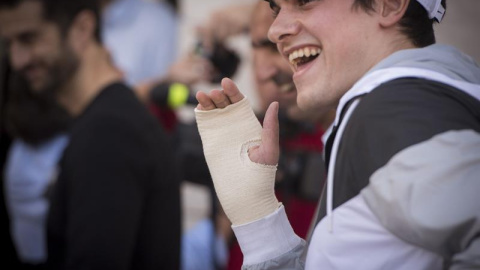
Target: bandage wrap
(245, 189)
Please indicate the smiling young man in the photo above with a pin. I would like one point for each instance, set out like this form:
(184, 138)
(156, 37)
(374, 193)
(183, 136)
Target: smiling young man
(403, 158)
(114, 203)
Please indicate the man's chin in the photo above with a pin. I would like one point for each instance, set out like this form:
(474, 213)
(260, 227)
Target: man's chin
(305, 103)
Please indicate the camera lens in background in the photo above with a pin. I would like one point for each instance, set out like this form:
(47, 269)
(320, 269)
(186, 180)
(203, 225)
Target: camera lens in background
(224, 60)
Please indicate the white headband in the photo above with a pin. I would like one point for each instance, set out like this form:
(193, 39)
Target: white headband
(434, 8)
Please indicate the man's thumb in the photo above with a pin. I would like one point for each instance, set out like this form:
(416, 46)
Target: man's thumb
(270, 142)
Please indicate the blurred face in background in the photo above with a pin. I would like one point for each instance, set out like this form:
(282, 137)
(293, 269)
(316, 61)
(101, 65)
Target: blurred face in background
(37, 50)
(273, 76)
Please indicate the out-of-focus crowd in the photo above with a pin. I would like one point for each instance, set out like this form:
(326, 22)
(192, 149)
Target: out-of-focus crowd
(99, 168)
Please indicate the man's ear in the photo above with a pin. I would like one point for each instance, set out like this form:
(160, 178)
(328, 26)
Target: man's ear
(82, 30)
(391, 11)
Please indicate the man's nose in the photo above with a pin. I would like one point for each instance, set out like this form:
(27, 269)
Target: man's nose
(20, 56)
(286, 24)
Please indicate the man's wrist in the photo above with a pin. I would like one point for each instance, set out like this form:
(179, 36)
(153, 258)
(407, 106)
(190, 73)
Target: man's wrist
(266, 238)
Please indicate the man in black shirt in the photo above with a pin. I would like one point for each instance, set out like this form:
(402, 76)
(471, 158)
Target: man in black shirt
(115, 202)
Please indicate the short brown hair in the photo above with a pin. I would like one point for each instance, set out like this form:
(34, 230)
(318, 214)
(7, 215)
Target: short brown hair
(415, 24)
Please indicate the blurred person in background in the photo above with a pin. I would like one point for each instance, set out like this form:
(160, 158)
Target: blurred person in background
(29, 231)
(299, 172)
(115, 174)
(141, 37)
(299, 178)
(30, 163)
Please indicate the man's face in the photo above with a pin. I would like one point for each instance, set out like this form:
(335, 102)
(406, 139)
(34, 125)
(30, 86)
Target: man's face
(273, 76)
(37, 51)
(327, 45)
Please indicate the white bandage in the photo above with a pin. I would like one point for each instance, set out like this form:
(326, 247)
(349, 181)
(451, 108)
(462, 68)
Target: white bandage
(245, 189)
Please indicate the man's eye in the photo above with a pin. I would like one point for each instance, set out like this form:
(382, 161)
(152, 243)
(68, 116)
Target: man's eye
(304, 2)
(272, 47)
(28, 38)
(275, 13)
(265, 44)
(275, 8)
(272, 4)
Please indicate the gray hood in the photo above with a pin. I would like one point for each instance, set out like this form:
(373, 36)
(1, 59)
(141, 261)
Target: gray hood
(440, 58)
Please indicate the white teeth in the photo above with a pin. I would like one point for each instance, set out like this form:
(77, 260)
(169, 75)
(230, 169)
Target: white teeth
(301, 53)
(307, 52)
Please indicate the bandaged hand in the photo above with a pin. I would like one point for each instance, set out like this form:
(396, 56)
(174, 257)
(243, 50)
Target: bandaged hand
(241, 155)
